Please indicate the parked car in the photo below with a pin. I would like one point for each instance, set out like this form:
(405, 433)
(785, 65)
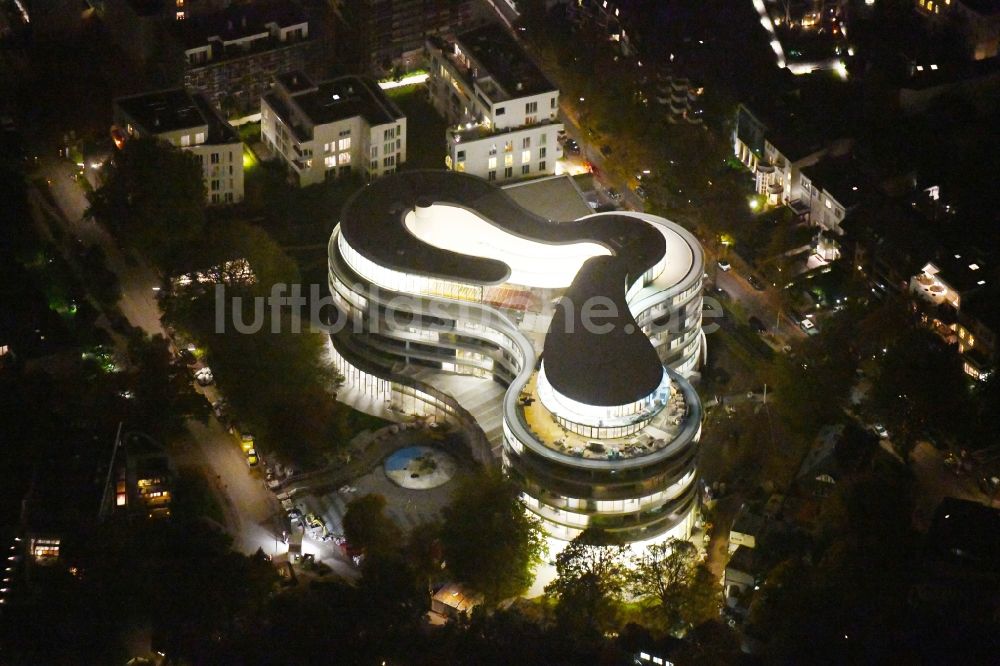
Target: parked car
(880, 430)
(252, 459)
(640, 192)
(724, 265)
(572, 147)
(755, 282)
(204, 376)
(187, 357)
(614, 194)
(220, 408)
(809, 327)
(757, 325)
(246, 441)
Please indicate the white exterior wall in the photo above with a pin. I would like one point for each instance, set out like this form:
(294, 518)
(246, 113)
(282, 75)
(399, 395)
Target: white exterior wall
(789, 173)
(490, 155)
(386, 148)
(520, 111)
(349, 143)
(222, 164)
(222, 171)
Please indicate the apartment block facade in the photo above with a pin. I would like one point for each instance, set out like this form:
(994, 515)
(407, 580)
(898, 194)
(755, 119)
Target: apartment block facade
(188, 121)
(503, 112)
(331, 129)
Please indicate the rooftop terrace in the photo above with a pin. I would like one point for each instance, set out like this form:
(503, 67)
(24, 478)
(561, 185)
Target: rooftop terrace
(173, 110)
(503, 60)
(656, 436)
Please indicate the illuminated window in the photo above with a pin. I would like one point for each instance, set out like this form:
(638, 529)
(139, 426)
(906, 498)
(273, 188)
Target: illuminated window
(199, 137)
(179, 16)
(493, 164)
(345, 158)
(525, 156)
(344, 144)
(330, 161)
(508, 160)
(508, 147)
(185, 140)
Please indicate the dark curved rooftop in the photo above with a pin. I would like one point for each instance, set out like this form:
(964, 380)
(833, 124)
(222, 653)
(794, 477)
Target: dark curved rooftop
(372, 222)
(613, 367)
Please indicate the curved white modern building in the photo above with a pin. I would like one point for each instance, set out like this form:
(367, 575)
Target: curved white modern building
(590, 325)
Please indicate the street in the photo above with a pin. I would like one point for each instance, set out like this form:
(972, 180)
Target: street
(251, 511)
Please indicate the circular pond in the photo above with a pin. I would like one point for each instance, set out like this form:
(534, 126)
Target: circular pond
(419, 467)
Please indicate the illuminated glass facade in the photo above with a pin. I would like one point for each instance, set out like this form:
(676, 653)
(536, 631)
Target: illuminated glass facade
(628, 469)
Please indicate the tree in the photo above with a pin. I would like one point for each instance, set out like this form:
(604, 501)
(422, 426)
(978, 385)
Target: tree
(161, 390)
(368, 529)
(490, 542)
(392, 598)
(921, 386)
(683, 588)
(296, 419)
(154, 196)
(591, 575)
(227, 244)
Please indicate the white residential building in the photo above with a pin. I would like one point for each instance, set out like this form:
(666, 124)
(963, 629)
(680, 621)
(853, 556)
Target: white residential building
(188, 121)
(331, 129)
(502, 109)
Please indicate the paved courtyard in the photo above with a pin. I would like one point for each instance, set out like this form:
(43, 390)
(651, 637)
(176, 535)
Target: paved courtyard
(406, 507)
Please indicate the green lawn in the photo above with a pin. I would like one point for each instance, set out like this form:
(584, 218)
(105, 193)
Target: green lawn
(425, 134)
